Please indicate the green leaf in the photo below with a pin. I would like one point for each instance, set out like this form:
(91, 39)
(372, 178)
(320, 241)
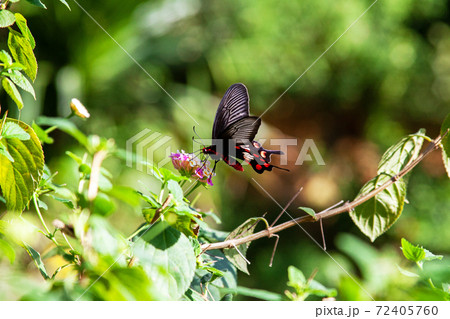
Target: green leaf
(22, 52)
(125, 194)
(430, 256)
(169, 175)
(13, 130)
(6, 18)
(317, 289)
(12, 91)
(168, 259)
(37, 260)
(19, 179)
(255, 293)
(66, 126)
(309, 211)
(7, 251)
(446, 144)
(399, 155)
(380, 212)
(21, 81)
(37, 3)
(66, 202)
(103, 205)
(295, 276)
(411, 252)
(105, 239)
(4, 152)
(5, 58)
(22, 24)
(41, 134)
(175, 189)
(233, 255)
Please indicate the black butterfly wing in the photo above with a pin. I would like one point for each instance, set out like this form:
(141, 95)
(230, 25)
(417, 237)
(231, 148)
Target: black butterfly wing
(243, 131)
(233, 107)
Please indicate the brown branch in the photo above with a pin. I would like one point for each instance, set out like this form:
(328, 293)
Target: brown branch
(347, 207)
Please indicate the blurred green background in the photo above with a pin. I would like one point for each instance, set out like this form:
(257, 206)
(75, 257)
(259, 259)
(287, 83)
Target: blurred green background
(386, 77)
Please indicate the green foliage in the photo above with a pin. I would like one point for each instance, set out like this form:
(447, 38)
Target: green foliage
(21, 163)
(6, 18)
(303, 288)
(237, 254)
(167, 258)
(91, 258)
(380, 212)
(308, 210)
(419, 255)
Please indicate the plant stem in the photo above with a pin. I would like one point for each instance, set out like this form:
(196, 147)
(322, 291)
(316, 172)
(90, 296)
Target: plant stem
(49, 234)
(327, 213)
(143, 227)
(193, 188)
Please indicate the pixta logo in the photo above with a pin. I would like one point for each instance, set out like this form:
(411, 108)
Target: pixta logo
(145, 148)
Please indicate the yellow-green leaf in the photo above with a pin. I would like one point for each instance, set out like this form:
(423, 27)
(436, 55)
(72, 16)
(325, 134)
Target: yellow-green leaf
(22, 52)
(13, 92)
(22, 24)
(19, 179)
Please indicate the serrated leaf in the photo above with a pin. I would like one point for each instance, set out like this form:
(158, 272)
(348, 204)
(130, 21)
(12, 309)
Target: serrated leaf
(13, 130)
(19, 179)
(37, 260)
(168, 259)
(22, 52)
(446, 144)
(21, 81)
(430, 256)
(66, 126)
(37, 3)
(232, 254)
(7, 251)
(6, 18)
(411, 252)
(175, 189)
(22, 24)
(402, 153)
(308, 210)
(13, 92)
(295, 276)
(379, 213)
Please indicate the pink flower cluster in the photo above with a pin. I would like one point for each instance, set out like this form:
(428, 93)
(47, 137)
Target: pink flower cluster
(191, 166)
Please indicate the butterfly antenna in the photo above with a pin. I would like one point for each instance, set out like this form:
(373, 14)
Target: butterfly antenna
(203, 142)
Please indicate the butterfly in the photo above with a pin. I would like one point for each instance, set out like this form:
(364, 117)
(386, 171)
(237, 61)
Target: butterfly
(234, 131)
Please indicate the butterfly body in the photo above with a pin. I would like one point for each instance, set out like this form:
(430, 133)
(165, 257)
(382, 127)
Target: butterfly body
(234, 131)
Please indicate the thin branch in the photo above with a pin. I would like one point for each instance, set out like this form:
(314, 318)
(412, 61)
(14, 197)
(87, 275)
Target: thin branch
(347, 207)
